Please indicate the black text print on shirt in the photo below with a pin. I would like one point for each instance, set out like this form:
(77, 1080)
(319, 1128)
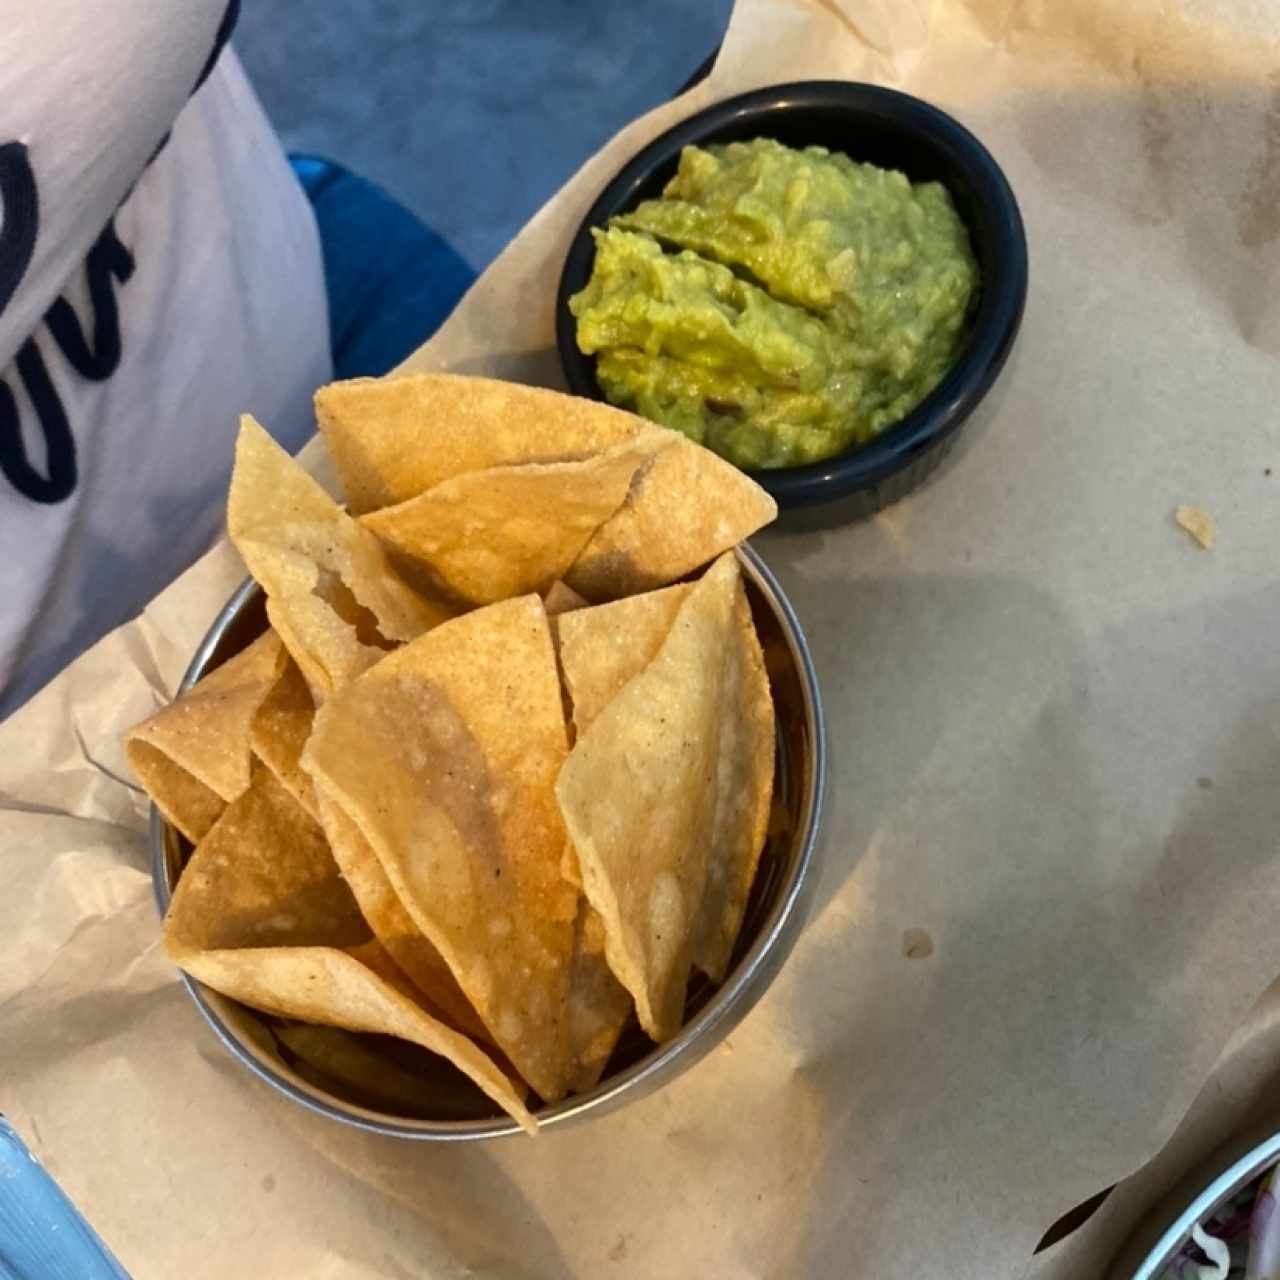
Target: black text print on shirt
(108, 264)
(96, 358)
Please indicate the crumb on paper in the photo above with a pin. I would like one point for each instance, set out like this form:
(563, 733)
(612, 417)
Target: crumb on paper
(1199, 524)
(917, 944)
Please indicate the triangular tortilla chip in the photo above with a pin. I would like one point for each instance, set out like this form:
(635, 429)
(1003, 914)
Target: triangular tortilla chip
(378, 1076)
(599, 1004)
(643, 847)
(505, 531)
(560, 598)
(280, 730)
(600, 649)
(683, 510)
(332, 595)
(263, 876)
(193, 757)
(394, 438)
(604, 646)
(262, 914)
(744, 793)
(462, 733)
(329, 987)
(394, 929)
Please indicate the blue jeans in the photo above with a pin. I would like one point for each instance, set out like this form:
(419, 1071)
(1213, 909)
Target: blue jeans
(390, 280)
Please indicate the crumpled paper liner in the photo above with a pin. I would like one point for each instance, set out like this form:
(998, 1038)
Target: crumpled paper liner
(1055, 731)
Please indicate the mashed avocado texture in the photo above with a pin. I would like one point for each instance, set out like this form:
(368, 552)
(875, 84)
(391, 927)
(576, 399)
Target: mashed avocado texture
(776, 305)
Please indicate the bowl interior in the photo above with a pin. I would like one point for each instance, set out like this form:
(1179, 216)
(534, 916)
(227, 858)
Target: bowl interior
(392, 1086)
(873, 125)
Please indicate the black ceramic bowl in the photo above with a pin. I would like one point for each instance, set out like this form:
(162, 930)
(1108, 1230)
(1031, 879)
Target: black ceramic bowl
(894, 131)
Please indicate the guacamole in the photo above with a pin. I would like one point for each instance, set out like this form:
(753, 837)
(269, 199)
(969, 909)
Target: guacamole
(776, 305)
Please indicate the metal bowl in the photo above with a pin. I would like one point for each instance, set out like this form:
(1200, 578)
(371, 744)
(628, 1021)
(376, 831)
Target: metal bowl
(446, 1107)
(1231, 1180)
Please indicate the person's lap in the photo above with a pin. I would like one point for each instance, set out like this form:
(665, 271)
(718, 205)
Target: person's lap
(391, 281)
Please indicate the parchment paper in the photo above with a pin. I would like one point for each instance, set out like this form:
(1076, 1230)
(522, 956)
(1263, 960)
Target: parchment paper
(1055, 732)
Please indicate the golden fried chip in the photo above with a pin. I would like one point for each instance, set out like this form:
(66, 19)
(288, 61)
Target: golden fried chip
(684, 509)
(506, 531)
(445, 756)
(600, 650)
(643, 847)
(599, 1004)
(560, 598)
(345, 1062)
(263, 876)
(280, 730)
(332, 595)
(263, 915)
(1199, 524)
(569, 869)
(378, 1076)
(744, 794)
(192, 757)
(603, 647)
(332, 988)
(394, 438)
(399, 937)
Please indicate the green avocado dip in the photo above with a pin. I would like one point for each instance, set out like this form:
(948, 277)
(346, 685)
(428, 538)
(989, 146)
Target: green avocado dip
(778, 306)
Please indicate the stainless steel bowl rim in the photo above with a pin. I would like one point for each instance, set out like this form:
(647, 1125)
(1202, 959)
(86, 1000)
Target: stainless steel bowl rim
(739, 993)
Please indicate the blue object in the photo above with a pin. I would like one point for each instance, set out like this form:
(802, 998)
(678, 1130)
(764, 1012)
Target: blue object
(391, 281)
(882, 127)
(42, 1237)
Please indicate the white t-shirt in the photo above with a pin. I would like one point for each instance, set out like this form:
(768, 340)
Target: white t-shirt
(129, 352)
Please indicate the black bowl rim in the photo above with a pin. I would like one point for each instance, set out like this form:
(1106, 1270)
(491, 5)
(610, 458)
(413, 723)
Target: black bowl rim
(1000, 307)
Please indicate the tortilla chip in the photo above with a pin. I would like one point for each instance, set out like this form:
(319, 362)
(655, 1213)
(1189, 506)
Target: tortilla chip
(263, 876)
(381, 1076)
(329, 987)
(399, 937)
(599, 1005)
(262, 914)
(506, 531)
(744, 794)
(193, 757)
(189, 805)
(332, 1057)
(599, 651)
(280, 730)
(570, 872)
(445, 756)
(344, 1062)
(643, 847)
(603, 647)
(683, 510)
(560, 598)
(394, 438)
(331, 593)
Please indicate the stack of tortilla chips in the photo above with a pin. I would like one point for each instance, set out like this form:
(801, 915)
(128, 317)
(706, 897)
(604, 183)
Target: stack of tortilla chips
(489, 783)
